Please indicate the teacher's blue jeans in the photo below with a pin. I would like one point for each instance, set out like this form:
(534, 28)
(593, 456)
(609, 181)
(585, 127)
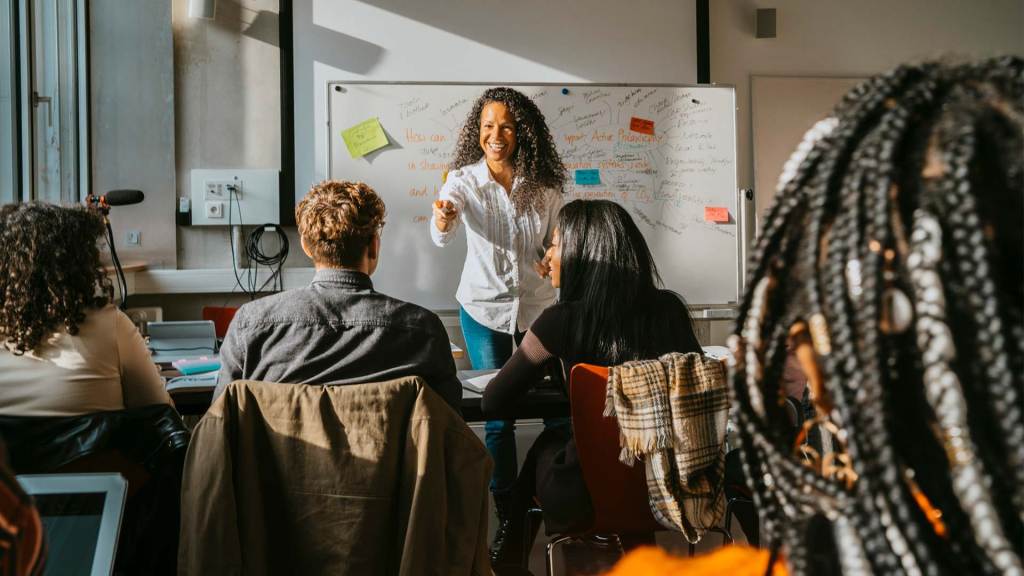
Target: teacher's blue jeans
(491, 349)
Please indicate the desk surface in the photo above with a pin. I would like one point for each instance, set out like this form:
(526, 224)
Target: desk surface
(538, 403)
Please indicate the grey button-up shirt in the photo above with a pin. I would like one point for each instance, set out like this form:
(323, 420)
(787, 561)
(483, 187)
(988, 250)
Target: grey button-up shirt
(337, 330)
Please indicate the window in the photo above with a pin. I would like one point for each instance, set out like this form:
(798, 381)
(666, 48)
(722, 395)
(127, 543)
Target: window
(44, 136)
(8, 105)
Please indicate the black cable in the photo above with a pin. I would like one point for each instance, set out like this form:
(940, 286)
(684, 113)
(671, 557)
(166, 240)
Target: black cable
(255, 251)
(122, 284)
(231, 239)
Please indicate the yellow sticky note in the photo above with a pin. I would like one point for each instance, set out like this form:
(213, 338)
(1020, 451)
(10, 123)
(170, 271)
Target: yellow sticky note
(364, 138)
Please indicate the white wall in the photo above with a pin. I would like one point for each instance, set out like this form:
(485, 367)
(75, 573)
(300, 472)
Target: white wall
(847, 38)
(651, 41)
(227, 87)
(132, 87)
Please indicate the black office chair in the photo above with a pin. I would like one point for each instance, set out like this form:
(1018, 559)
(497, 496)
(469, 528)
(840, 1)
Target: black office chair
(145, 445)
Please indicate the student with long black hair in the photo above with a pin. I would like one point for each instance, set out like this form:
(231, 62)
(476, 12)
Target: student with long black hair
(610, 310)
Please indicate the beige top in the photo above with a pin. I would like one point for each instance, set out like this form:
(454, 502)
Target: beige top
(106, 366)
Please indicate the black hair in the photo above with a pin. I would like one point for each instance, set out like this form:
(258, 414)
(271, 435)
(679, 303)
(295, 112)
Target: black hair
(535, 158)
(608, 271)
(913, 192)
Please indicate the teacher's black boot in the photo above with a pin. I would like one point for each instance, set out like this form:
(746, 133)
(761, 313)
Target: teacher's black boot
(507, 548)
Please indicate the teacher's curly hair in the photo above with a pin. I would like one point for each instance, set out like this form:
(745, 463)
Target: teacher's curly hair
(535, 157)
(50, 271)
(892, 261)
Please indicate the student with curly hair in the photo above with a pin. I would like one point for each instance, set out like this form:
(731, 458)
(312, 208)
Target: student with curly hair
(892, 262)
(66, 350)
(338, 330)
(506, 186)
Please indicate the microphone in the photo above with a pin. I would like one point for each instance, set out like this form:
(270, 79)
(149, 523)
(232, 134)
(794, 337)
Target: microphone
(120, 198)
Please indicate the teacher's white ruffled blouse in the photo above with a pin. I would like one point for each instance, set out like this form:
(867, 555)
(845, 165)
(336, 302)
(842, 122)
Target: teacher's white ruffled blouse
(500, 287)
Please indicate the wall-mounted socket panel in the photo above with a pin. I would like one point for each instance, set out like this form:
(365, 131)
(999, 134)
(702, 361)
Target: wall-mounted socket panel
(242, 196)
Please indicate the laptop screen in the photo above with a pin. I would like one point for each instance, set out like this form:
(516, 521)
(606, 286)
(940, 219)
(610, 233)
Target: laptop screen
(81, 516)
(72, 526)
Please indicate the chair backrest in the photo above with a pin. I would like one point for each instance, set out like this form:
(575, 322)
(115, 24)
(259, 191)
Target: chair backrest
(146, 445)
(221, 317)
(376, 478)
(617, 492)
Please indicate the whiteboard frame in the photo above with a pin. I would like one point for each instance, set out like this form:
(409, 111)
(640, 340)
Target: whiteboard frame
(737, 193)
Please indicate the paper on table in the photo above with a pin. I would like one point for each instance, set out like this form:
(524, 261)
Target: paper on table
(479, 383)
(204, 381)
(364, 138)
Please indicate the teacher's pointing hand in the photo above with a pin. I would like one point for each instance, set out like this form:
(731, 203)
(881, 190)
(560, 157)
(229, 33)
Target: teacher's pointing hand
(445, 214)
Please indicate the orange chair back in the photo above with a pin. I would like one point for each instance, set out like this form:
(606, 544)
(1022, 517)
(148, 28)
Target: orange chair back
(618, 492)
(221, 316)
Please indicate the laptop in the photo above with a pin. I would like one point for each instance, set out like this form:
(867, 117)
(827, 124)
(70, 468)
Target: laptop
(170, 341)
(81, 515)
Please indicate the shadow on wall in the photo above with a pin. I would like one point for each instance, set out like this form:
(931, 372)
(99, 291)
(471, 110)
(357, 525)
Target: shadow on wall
(259, 25)
(338, 50)
(590, 39)
(345, 52)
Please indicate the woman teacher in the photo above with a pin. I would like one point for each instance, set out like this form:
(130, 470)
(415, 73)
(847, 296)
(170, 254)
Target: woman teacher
(505, 185)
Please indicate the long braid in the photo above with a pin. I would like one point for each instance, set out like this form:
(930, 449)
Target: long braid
(833, 246)
(972, 278)
(882, 468)
(824, 201)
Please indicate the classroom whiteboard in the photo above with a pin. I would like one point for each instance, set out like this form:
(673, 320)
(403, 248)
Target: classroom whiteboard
(666, 180)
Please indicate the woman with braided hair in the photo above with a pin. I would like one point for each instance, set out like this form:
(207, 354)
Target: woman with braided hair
(506, 187)
(892, 263)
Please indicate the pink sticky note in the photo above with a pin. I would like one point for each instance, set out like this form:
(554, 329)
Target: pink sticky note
(716, 214)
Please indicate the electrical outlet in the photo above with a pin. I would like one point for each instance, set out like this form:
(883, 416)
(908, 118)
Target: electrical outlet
(254, 192)
(217, 189)
(236, 187)
(215, 210)
(133, 237)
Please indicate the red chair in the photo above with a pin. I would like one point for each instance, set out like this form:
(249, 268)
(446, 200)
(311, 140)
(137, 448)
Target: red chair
(221, 317)
(618, 492)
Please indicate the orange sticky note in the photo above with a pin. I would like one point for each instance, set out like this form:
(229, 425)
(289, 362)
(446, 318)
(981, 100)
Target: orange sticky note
(641, 125)
(716, 214)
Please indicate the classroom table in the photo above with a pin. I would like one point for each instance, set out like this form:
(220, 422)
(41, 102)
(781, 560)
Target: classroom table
(540, 402)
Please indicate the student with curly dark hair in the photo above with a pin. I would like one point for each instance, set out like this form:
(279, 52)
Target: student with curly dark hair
(65, 349)
(892, 262)
(506, 186)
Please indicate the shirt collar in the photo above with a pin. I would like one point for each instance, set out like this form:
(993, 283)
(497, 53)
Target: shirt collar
(352, 278)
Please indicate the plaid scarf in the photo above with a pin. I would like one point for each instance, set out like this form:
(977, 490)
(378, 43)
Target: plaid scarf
(672, 413)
